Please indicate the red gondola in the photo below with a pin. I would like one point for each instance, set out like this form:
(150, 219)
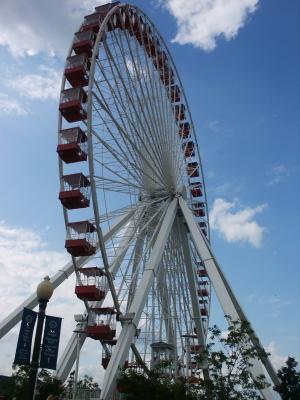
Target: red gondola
(90, 284)
(202, 272)
(92, 22)
(77, 70)
(204, 311)
(106, 351)
(193, 169)
(76, 191)
(189, 149)
(203, 289)
(101, 323)
(198, 209)
(73, 145)
(73, 104)
(84, 43)
(81, 238)
(184, 130)
(196, 189)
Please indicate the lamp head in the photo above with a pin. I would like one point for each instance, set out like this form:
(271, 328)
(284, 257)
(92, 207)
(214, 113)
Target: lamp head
(44, 290)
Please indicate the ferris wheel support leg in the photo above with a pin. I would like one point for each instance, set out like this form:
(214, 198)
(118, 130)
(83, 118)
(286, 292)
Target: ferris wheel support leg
(62, 274)
(138, 303)
(193, 290)
(227, 299)
(165, 304)
(68, 357)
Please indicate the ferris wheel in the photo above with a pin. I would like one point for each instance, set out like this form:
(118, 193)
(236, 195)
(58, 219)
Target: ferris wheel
(134, 204)
(126, 129)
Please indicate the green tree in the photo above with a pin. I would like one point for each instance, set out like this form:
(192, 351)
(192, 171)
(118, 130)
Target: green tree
(87, 383)
(228, 358)
(153, 386)
(46, 384)
(289, 388)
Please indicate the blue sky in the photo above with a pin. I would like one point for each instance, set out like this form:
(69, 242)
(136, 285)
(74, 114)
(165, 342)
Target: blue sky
(241, 77)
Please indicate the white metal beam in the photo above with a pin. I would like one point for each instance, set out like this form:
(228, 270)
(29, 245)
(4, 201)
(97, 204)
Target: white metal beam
(227, 299)
(129, 327)
(62, 274)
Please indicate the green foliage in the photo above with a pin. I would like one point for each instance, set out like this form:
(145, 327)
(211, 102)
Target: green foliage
(155, 386)
(289, 388)
(228, 358)
(46, 384)
(87, 383)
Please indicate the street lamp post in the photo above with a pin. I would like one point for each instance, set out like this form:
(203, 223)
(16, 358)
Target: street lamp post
(44, 292)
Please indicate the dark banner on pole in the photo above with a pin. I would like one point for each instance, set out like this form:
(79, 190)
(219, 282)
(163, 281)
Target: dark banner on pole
(23, 350)
(50, 342)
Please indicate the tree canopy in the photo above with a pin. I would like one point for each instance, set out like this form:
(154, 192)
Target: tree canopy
(228, 358)
(289, 389)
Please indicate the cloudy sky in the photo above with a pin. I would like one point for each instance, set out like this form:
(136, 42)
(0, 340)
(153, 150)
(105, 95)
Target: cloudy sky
(239, 62)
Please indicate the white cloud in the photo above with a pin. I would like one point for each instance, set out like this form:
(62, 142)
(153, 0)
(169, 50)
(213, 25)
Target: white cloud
(276, 359)
(202, 22)
(277, 174)
(30, 27)
(24, 260)
(44, 85)
(236, 226)
(10, 106)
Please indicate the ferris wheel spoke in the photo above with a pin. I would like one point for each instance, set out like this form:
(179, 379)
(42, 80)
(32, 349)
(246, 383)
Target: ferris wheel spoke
(112, 171)
(134, 93)
(116, 186)
(121, 157)
(160, 90)
(130, 101)
(162, 114)
(126, 110)
(122, 123)
(122, 131)
(142, 82)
